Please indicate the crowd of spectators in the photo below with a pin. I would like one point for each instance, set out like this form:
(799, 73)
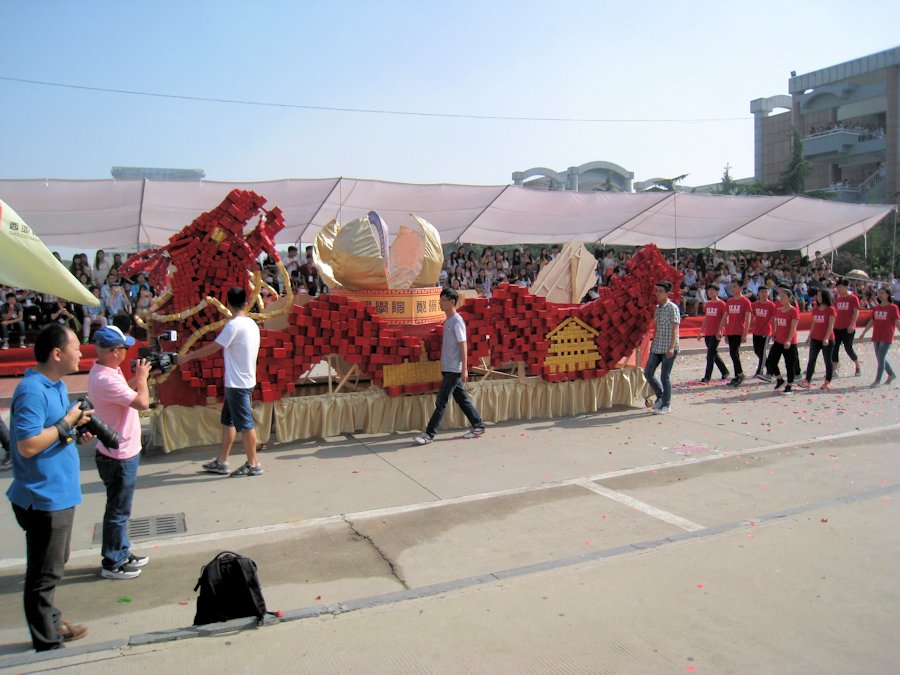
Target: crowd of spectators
(802, 274)
(865, 131)
(26, 311)
(465, 268)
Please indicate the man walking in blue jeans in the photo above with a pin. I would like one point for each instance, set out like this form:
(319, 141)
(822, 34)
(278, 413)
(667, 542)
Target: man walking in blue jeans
(454, 372)
(117, 403)
(239, 342)
(664, 348)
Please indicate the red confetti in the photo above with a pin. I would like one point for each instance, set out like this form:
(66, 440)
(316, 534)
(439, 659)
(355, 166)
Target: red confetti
(604, 516)
(699, 585)
(318, 597)
(823, 520)
(183, 602)
(279, 613)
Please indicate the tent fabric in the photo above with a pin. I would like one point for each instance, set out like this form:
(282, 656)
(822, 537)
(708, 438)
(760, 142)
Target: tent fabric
(111, 213)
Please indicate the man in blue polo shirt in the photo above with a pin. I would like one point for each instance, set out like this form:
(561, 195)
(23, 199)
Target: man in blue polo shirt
(45, 487)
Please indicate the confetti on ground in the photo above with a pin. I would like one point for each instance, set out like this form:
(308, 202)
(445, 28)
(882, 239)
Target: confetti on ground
(124, 598)
(184, 602)
(688, 448)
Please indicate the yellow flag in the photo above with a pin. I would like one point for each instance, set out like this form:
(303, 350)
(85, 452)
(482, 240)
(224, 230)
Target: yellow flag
(26, 263)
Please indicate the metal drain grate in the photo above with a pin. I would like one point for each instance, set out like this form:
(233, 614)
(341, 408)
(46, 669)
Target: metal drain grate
(151, 527)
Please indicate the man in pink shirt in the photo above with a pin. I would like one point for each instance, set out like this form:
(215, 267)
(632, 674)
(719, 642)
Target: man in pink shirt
(117, 403)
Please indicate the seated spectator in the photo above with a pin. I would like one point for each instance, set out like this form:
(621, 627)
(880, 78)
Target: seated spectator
(106, 289)
(31, 307)
(12, 317)
(94, 317)
(118, 302)
(134, 290)
(691, 300)
(64, 315)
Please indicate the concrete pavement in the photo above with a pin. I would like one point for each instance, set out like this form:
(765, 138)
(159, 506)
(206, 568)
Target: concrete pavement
(603, 513)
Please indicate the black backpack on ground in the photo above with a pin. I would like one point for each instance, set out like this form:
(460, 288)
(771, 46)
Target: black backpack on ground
(229, 589)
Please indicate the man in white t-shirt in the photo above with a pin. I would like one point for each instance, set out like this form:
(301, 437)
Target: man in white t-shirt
(239, 341)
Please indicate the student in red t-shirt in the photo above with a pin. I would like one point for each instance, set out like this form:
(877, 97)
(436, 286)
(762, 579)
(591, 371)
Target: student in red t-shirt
(737, 325)
(821, 337)
(785, 340)
(885, 319)
(711, 330)
(847, 306)
(761, 327)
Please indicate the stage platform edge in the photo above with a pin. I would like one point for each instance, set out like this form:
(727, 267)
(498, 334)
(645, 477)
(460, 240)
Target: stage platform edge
(374, 412)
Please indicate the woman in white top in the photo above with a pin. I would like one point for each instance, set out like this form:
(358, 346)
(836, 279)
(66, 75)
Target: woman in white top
(101, 268)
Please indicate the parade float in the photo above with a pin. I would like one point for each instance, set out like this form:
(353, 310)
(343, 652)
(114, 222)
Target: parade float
(379, 331)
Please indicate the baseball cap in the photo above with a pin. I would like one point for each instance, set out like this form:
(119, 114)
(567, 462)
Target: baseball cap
(112, 336)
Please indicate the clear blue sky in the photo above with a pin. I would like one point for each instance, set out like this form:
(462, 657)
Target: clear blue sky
(578, 59)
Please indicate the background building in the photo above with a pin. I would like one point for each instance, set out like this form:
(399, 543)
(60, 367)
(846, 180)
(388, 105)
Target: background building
(140, 173)
(590, 177)
(848, 117)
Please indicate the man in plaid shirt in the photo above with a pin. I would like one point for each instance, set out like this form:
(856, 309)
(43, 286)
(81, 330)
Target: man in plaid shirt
(664, 348)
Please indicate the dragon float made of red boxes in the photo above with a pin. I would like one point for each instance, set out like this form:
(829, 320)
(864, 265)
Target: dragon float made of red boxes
(391, 335)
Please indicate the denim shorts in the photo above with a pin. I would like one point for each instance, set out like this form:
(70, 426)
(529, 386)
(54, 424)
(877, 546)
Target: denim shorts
(236, 411)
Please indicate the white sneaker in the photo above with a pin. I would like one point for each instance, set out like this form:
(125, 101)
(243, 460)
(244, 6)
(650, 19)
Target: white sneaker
(657, 404)
(123, 571)
(474, 432)
(423, 439)
(664, 410)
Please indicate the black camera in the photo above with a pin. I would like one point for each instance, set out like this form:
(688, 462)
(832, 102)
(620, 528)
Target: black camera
(98, 427)
(159, 360)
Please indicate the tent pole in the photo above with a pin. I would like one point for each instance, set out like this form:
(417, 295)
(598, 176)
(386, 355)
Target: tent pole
(894, 246)
(675, 211)
(137, 242)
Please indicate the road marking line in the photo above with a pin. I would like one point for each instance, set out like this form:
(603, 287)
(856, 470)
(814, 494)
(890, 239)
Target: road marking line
(422, 506)
(643, 507)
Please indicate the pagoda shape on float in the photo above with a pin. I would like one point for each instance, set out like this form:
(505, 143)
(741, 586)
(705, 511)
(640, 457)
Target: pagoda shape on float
(381, 315)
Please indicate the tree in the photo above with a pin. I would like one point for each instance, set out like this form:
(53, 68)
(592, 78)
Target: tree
(792, 180)
(728, 186)
(666, 184)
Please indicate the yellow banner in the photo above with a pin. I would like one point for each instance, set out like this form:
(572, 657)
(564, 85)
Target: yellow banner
(27, 263)
(406, 306)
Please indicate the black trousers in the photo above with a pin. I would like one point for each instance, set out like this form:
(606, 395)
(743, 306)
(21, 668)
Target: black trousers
(48, 535)
(734, 349)
(816, 346)
(844, 336)
(790, 361)
(759, 348)
(713, 358)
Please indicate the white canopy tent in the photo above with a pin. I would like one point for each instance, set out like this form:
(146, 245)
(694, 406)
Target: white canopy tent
(109, 213)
